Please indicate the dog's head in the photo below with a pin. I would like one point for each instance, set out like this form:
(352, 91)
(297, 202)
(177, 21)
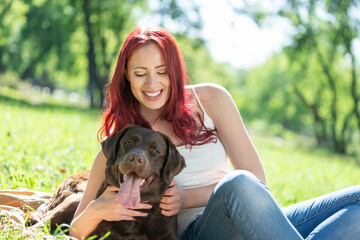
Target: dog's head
(143, 160)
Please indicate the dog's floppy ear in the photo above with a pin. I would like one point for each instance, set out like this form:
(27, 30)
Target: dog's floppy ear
(110, 146)
(174, 162)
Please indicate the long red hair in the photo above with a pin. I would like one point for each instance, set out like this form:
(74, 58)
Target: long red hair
(121, 108)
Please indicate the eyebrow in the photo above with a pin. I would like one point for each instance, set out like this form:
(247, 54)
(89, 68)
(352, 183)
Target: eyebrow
(160, 66)
(163, 65)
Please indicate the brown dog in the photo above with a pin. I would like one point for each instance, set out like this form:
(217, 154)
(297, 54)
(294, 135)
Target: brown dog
(142, 163)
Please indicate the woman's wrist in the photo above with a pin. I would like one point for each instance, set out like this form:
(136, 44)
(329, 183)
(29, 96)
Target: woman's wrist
(85, 222)
(91, 212)
(185, 199)
(197, 197)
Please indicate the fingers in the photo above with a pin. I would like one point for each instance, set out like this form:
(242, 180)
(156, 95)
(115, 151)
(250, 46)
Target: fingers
(170, 206)
(172, 190)
(142, 205)
(167, 200)
(169, 192)
(169, 213)
(107, 207)
(173, 183)
(134, 213)
(166, 204)
(127, 218)
(169, 209)
(126, 214)
(172, 201)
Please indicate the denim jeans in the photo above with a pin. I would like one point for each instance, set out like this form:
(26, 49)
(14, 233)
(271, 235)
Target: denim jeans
(242, 207)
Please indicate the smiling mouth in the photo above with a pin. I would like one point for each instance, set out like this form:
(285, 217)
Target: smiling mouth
(144, 183)
(153, 94)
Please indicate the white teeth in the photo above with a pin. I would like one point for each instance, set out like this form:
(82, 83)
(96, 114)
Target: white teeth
(153, 94)
(142, 182)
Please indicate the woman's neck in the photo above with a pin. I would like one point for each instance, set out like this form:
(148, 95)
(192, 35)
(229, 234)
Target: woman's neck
(151, 115)
(158, 124)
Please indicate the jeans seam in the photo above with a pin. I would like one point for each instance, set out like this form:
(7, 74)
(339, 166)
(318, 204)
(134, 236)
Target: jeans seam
(307, 219)
(202, 227)
(223, 200)
(244, 223)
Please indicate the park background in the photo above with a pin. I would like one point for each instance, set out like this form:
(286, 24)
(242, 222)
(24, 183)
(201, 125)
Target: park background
(291, 66)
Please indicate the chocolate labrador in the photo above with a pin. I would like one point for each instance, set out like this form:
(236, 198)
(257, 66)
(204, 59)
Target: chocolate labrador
(142, 163)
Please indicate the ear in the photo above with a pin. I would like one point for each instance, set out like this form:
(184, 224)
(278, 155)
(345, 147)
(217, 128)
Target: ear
(174, 162)
(110, 146)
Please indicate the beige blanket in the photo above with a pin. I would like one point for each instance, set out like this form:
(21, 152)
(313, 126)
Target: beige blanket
(14, 204)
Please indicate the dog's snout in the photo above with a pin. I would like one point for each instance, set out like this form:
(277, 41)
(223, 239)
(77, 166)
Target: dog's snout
(136, 159)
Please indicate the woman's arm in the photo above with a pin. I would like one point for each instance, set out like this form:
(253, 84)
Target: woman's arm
(83, 224)
(176, 199)
(96, 178)
(221, 108)
(91, 211)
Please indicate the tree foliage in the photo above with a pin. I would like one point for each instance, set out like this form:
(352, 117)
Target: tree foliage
(311, 86)
(73, 44)
(321, 71)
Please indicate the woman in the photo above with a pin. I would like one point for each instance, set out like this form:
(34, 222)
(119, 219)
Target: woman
(149, 89)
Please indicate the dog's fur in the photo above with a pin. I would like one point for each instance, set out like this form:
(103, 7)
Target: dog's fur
(134, 150)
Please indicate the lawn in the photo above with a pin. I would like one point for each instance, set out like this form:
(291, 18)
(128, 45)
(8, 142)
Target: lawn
(43, 143)
(295, 173)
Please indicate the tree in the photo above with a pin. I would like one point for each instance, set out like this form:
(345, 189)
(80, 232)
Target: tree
(323, 63)
(74, 43)
(4, 32)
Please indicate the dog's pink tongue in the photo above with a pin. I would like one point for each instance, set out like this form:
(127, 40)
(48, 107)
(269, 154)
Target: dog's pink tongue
(129, 193)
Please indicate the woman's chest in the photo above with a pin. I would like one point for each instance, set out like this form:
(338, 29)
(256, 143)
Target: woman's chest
(205, 164)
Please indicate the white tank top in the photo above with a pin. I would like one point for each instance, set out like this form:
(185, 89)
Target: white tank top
(205, 165)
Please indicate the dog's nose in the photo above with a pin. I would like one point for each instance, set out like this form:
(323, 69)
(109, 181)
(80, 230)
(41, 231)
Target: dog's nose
(137, 160)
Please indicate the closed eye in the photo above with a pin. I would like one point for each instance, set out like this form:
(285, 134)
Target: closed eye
(140, 74)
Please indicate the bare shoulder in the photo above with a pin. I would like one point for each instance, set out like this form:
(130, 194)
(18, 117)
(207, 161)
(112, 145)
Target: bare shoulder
(213, 97)
(208, 91)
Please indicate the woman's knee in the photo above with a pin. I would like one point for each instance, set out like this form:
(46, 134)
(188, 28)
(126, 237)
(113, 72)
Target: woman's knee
(351, 192)
(239, 182)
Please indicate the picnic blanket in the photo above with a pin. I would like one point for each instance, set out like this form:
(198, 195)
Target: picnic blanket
(15, 204)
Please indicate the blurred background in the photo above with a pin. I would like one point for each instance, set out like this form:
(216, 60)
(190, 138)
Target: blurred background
(292, 66)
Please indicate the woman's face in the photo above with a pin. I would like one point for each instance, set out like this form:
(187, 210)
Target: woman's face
(148, 78)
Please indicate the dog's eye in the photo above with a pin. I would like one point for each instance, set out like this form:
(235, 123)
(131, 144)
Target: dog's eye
(154, 150)
(127, 143)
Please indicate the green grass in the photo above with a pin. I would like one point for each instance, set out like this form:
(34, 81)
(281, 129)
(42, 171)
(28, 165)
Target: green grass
(38, 142)
(295, 171)
(41, 144)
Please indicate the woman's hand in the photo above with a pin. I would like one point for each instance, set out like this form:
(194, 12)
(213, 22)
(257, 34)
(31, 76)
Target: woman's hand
(172, 202)
(107, 207)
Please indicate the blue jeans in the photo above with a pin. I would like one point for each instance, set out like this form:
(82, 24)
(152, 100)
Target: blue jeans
(242, 207)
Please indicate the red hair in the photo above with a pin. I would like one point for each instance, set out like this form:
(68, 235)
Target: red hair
(121, 108)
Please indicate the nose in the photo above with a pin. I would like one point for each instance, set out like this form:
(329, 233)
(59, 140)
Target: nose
(151, 79)
(136, 160)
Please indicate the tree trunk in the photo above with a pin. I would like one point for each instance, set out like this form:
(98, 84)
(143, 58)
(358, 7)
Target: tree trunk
(338, 141)
(92, 83)
(28, 72)
(319, 126)
(354, 80)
